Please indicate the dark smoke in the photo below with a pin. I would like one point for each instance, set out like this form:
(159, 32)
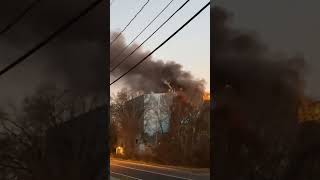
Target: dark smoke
(267, 86)
(257, 93)
(48, 15)
(154, 75)
(75, 60)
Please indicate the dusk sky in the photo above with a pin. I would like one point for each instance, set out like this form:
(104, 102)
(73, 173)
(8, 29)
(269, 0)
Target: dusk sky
(190, 47)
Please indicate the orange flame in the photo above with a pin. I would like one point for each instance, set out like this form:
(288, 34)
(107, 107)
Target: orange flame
(309, 111)
(206, 96)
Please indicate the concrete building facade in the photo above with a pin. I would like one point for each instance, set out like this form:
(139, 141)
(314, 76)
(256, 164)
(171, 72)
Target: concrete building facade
(151, 118)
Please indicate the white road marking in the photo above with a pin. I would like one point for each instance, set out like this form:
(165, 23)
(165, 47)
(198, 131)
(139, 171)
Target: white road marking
(185, 170)
(152, 172)
(124, 175)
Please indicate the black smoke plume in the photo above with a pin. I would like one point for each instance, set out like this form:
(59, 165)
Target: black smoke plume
(76, 59)
(154, 75)
(268, 86)
(257, 93)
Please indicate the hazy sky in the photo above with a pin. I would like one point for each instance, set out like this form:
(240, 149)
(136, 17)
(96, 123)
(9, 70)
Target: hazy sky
(190, 47)
(290, 26)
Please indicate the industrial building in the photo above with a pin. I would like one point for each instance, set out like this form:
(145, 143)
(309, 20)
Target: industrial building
(151, 116)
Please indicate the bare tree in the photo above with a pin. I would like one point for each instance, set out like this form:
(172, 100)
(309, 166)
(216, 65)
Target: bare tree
(127, 114)
(171, 123)
(23, 131)
(181, 145)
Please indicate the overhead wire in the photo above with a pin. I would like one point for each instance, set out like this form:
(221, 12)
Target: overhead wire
(51, 37)
(164, 42)
(124, 59)
(114, 40)
(128, 45)
(19, 17)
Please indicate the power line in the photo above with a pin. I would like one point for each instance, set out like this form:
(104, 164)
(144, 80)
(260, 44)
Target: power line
(142, 60)
(129, 22)
(51, 36)
(124, 49)
(19, 17)
(124, 59)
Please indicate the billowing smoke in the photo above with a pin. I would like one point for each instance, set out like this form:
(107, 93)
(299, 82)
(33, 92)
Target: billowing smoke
(263, 87)
(75, 60)
(154, 75)
(257, 93)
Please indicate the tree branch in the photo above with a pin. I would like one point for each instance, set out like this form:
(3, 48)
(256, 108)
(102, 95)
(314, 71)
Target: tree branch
(14, 134)
(20, 128)
(3, 165)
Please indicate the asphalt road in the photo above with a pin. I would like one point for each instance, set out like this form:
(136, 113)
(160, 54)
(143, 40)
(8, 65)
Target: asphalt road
(137, 171)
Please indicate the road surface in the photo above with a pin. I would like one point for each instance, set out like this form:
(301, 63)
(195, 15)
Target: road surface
(136, 171)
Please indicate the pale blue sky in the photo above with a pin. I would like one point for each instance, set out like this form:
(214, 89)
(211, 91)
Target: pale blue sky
(190, 47)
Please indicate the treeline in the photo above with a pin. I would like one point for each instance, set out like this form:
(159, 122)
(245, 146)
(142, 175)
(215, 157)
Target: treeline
(186, 142)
